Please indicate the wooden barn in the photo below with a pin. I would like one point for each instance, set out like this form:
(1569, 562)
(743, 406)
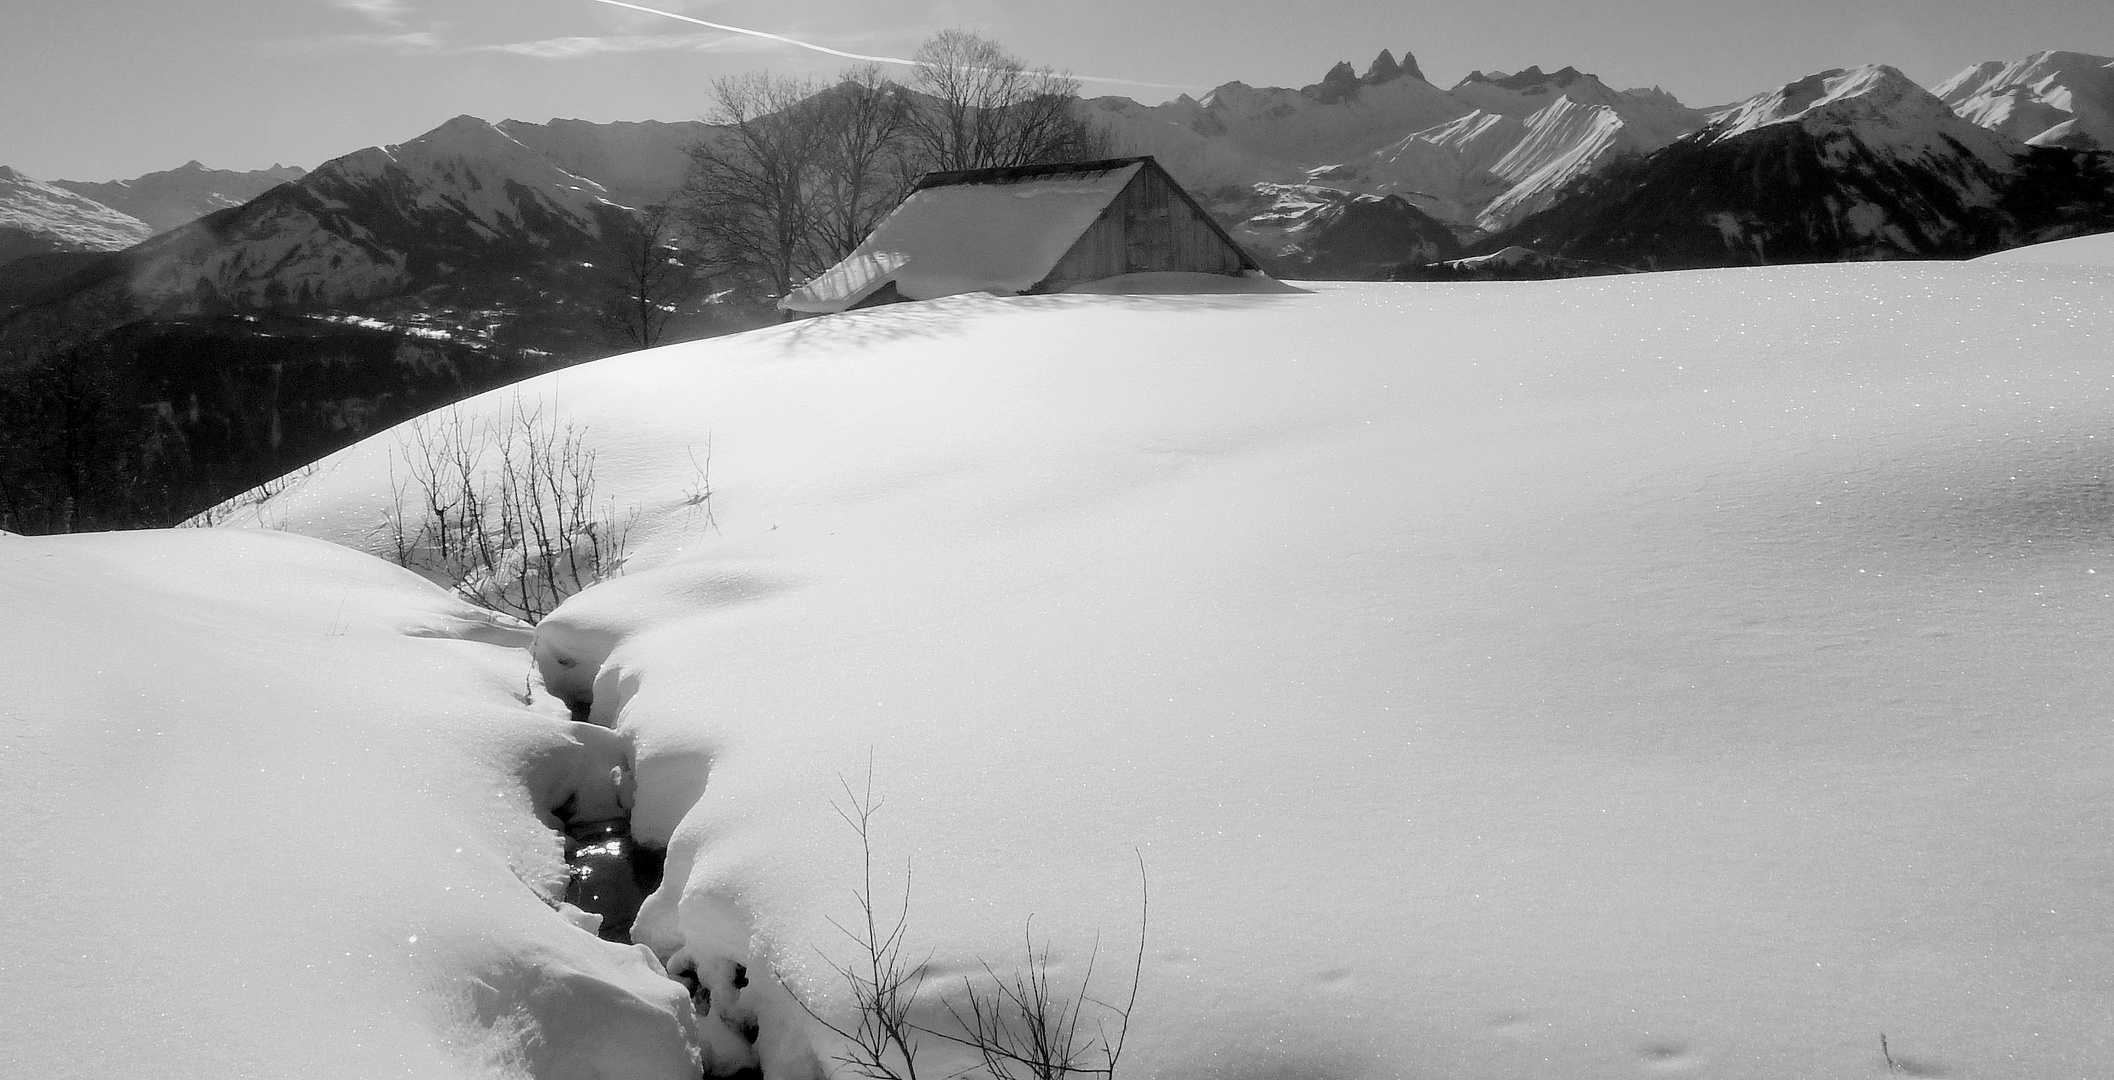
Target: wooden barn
(1028, 229)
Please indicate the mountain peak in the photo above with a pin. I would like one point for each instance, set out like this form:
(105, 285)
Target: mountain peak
(2052, 98)
(1341, 82)
(1836, 96)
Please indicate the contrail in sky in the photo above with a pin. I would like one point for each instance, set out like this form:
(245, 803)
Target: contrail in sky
(796, 42)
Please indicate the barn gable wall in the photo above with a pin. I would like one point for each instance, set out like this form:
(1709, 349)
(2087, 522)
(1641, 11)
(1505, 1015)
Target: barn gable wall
(1148, 227)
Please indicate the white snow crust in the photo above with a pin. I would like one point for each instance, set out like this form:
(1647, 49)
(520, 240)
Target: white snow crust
(1697, 672)
(957, 238)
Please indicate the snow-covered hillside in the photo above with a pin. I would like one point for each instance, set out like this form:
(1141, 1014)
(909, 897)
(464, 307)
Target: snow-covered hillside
(2048, 99)
(1683, 672)
(39, 217)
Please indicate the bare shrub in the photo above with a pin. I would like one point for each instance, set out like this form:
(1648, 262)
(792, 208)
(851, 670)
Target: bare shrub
(883, 1043)
(1024, 1029)
(504, 513)
(1020, 1024)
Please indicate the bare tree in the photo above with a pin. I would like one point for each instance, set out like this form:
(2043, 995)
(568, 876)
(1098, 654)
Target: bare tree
(798, 174)
(881, 1043)
(1020, 1024)
(988, 109)
(749, 199)
(648, 278)
(865, 169)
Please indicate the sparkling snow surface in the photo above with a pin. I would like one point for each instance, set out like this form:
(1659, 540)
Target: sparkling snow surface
(270, 807)
(1697, 673)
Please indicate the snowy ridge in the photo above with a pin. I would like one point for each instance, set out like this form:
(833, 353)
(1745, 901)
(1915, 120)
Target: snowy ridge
(1567, 140)
(37, 217)
(1875, 106)
(2048, 99)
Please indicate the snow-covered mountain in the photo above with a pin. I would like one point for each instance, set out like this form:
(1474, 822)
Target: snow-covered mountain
(1529, 136)
(1238, 135)
(2048, 99)
(459, 207)
(1846, 164)
(1321, 233)
(37, 217)
(179, 196)
(1479, 156)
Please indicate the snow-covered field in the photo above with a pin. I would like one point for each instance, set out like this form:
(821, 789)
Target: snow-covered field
(1684, 674)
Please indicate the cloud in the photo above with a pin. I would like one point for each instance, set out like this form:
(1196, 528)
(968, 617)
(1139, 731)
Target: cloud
(566, 48)
(386, 12)
(764, 35)
(407, 44)
(782, 39)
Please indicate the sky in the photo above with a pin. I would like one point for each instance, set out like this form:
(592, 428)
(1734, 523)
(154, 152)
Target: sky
(111, 89)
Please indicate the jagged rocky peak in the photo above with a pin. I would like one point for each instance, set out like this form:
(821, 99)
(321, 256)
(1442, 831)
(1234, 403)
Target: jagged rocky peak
(1343, 80)
(1385, 69)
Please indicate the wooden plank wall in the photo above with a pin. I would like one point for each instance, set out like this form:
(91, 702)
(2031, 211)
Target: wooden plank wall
(1146, 228)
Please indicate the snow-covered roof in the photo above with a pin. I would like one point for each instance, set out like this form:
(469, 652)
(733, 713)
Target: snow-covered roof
(999, 231)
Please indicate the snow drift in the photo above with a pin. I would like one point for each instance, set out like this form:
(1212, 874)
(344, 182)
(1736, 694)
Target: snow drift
(276, 812)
